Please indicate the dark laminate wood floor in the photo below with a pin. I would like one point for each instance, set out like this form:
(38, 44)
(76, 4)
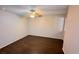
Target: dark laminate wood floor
(34, 45)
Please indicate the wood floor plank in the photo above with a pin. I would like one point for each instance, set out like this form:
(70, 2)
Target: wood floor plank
(34, 45)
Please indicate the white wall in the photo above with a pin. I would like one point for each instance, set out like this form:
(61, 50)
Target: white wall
(12, 28)
(47, 26)
(71, 38)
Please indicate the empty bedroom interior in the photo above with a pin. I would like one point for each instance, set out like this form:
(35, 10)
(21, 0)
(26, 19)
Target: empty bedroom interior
(32, 29)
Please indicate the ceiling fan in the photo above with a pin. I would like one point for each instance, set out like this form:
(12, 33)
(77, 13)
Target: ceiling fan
(33, 13)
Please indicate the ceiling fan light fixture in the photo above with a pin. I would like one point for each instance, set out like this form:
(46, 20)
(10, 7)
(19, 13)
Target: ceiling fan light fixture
(32, 16)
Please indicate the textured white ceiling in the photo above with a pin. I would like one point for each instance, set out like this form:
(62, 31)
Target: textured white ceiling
(46, 9)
